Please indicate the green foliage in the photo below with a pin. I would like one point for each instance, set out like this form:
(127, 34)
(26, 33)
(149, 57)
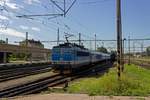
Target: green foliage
(102, 49)
(2, 41)
(135, 81)
(12, 57)
(148, 51)
(19, 56)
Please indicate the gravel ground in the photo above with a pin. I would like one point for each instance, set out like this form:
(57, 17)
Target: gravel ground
(76, 97)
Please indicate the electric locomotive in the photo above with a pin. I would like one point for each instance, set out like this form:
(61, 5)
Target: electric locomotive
(70, 56)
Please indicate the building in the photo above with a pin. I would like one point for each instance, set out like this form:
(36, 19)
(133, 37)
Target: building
(34, 44)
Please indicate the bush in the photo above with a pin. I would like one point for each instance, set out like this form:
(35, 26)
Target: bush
(134, 82)
(19, 56)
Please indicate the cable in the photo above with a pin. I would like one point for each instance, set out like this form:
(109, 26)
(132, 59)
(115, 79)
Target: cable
(93, 2)
(41, 21)
(86, 2)
(83, 26)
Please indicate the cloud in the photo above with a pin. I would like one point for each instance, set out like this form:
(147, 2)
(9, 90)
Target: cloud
(4, 17)
(12, 32)
(24, 27)
(31, 1)
(35, 29)
(2, 2)
(13, 5)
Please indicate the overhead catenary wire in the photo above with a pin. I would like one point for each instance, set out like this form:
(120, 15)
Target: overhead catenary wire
(39, 20)
(87, 2)
(55, 25)
(27, 11)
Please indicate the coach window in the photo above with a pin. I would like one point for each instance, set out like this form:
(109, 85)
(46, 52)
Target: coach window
(81, 53)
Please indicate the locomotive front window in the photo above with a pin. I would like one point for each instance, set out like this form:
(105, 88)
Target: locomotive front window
(56, 50)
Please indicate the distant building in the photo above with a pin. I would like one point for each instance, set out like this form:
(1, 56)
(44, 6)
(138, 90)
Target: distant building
(34, 44)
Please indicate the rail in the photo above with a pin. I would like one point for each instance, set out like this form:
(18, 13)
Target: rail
(50, 81)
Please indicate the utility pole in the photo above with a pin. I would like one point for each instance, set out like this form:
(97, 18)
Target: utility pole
(95, 42)
(90, 45)
(58, 36)
(134, 48)
(142, 45)
(123, 52)
(129, 50)
(26, 39)
(119, 39)
(6, 40)
(79, 38)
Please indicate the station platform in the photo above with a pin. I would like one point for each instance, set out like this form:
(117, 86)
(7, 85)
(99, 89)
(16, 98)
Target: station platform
(54, 96)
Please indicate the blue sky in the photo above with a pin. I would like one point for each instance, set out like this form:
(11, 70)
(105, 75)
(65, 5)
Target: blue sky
(85, 17)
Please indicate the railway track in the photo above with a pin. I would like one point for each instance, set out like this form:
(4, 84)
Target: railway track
(22, 71)
(142, 63)
(24, 88)
(23, 74)
(54, 80)
(15, 66)
(95, 70)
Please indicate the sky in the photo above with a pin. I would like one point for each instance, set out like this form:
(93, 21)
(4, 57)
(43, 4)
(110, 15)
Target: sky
(87, 17)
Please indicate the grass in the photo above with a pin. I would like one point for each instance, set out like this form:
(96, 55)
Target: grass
(135, 81)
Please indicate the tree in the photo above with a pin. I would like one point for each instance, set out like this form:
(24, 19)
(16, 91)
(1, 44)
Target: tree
(148, 51)
(102, 49)
(2, 42)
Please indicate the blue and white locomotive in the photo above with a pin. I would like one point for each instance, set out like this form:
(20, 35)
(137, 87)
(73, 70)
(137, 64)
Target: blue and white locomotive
(69, 56)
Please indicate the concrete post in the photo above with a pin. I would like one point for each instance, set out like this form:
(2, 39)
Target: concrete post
(31, 58)
(47, 57)
(4, 57)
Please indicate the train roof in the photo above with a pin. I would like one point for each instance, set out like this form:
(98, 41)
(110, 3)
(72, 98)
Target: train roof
(66, 45)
